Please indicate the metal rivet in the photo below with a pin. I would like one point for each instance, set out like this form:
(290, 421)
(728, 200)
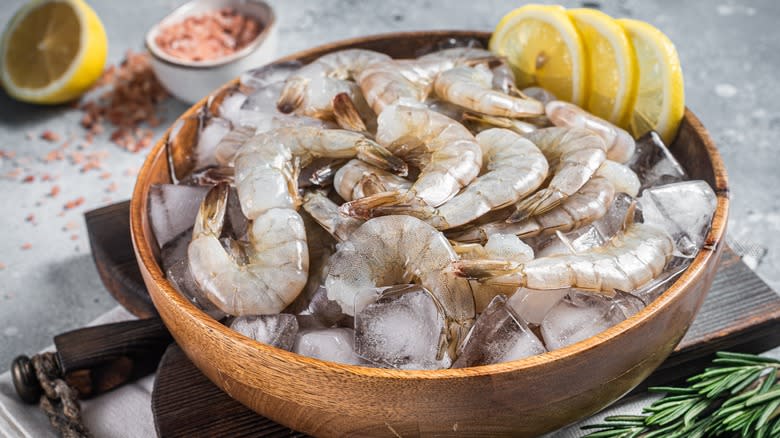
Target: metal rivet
(25, 380)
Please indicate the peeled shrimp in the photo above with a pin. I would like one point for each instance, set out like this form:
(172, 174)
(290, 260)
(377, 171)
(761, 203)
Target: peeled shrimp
(260, 277)
(590, 203)
(629, 260)
(267, 164)
(409, 81)
(358, 179)
(311, 89)
(620, 144)
(514, 167)
(395, 250)
(575, 154)
(326, 213)
(471, 87)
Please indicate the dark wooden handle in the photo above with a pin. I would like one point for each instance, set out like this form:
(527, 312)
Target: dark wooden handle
(97, 359)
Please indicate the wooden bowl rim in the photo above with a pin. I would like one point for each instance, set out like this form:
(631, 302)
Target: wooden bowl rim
(145, 254)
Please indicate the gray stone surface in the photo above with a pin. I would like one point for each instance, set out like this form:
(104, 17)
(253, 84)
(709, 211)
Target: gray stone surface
(729, 52)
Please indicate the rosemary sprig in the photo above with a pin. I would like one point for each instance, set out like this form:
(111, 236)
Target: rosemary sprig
(738, 397)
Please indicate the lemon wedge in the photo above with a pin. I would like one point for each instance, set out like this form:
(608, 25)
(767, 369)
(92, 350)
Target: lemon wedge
(660, 99)
(612, 68)
(544, 49)
(52, 51)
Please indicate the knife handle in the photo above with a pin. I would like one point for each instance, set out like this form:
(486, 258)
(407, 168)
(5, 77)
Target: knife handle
(94, 360)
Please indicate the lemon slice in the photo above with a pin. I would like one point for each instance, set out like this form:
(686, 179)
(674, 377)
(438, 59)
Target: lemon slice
(612, 70)
(660, 99)
(544, 49)
(52, 51)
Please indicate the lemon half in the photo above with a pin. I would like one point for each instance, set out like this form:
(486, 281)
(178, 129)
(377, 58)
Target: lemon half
(544, 49)
(660, 100)
(52, 51)
(612, 68)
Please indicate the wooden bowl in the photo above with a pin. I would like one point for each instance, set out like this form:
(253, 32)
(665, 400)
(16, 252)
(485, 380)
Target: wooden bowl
(521, 398)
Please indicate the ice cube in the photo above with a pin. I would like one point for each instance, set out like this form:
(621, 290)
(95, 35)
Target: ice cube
(334, 344)
(263, 100)
(230, 106)
(258, 78)
(211, 132)
(277, 330)
(615, 217)
(326, 311)
(657, 286)
(684, 210)
(532, 304)
(654, 164)
(172, 209)
(581, 315)
(508, 247)
(176, 249)
(589, 236)
(579, 240)
(181, 278)
(402, 329)
(498, 335)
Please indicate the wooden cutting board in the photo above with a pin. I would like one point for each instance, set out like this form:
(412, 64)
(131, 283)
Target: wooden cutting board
(740, 313)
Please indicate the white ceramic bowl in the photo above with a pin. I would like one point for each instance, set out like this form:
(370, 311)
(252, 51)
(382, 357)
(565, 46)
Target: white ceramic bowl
(189, 81)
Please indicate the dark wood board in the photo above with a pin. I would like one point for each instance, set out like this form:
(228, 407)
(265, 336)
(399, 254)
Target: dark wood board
(740, 313)
(112, 249)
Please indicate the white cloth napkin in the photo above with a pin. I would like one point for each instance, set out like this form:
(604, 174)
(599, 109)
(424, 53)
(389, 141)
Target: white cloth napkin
(127, 411)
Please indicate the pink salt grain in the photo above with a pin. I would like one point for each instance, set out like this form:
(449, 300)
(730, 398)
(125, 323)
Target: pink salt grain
(207, 36)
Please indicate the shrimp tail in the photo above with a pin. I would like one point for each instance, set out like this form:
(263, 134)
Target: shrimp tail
(378, 156)
(513, 125)
(394, 203)
(484, 269)
(541, 202)
(292, 95)
(211, 215)
(347, 115)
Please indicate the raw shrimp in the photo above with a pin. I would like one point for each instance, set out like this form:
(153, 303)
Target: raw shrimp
(229, 145)
(311, 89)
(620, 144)
(481, 122)
(471, 87)
(260, 277)
(326, 213)
(575, 154)
(590, 203)
(514, 167)
(358, 179)
(396, 250)
(621, 176)
(267, 165)
(628, 261)
(409, 81)
(449, 157)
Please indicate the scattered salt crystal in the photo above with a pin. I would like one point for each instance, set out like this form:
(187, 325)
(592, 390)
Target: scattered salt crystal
(74, 203)
(50, 136)
(28, 179)
(55, 190)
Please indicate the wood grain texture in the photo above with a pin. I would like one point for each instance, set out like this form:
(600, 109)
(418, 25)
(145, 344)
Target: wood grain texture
(97, 359)
(327, 399)
(185, 402)
(109, 239)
